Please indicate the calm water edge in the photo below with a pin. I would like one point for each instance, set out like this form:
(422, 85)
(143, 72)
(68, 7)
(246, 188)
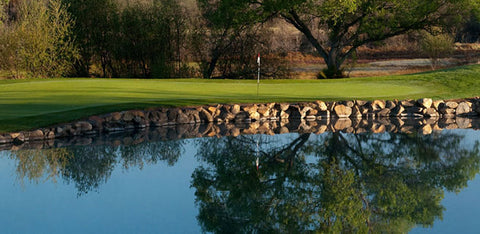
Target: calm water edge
(290, 183)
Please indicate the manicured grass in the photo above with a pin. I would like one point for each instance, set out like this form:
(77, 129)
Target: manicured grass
(26, 104)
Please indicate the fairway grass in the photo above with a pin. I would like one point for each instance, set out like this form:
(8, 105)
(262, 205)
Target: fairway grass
(27, 104)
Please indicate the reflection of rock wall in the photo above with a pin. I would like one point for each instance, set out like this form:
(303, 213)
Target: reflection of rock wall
(198, 130)
(351, 116)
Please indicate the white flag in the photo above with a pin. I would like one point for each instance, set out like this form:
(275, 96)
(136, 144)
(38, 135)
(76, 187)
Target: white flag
(258, 59)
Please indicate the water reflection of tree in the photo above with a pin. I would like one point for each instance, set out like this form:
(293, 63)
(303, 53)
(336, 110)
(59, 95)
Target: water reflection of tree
(87, 167)
(356, 183)
(40, 164)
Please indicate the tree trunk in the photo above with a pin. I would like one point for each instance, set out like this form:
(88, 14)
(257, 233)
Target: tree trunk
(333, 58)
(210, 66)
(333, 63)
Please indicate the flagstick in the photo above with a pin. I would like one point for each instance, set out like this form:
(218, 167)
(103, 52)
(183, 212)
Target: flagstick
(258, 80)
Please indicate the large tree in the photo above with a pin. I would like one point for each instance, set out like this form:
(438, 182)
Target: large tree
(337, 28)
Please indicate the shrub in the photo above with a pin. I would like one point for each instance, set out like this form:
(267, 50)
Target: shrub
(436, 47)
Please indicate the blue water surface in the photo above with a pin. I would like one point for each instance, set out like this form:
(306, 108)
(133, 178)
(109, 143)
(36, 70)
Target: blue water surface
(160, 198)
(155, 199)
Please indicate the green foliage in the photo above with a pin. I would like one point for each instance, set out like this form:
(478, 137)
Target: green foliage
(8, 47)
(469, 31)
(436, 47)
(3, 14)
(158, 38)
(147, 40)
(337, 28)
(39, 41)
(135, 39)
(228, 38)
(96, 34)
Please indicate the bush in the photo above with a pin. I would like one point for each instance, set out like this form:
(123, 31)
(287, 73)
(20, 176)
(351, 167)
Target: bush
(436, 46)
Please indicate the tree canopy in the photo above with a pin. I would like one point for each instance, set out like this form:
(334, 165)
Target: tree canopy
(209, 38)
(337, 28)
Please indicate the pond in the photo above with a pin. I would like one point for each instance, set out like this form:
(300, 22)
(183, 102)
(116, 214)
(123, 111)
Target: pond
(144, 182)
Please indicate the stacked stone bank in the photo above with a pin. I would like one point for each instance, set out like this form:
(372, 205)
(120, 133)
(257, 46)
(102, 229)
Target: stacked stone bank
(247, 113)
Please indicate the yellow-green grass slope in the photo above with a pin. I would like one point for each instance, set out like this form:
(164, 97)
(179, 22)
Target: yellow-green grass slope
(33, 103)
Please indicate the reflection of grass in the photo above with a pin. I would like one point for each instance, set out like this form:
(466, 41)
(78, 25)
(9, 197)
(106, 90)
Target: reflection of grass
(33, 103)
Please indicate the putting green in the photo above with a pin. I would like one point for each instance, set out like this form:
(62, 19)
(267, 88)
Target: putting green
(48, 96)
(34, 103)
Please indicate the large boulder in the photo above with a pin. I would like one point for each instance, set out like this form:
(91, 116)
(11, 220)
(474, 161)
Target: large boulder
(283, 106)
(18, 138)
(205, 116)
(235, 109)
(378, 105)
(451, 105)
(349, 103)
(50, 134)
(193, 115)
(408, 103)
(36, 135)
(343, 111)
(425, 102)
(264, 111)
(214, 110)
(116, 116)
(172, 115)
(322, 106)
(83, 126)
(463, 109)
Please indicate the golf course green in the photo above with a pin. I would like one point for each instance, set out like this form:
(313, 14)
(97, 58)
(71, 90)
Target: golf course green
(33, 103)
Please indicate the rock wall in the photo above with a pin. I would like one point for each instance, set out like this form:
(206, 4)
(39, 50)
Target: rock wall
(200, 130)
(343, 113)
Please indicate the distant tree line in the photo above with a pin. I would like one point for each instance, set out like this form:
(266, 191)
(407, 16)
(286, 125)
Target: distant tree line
(207, 38)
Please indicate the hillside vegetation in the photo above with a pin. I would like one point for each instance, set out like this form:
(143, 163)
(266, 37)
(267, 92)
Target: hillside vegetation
(221, 38)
